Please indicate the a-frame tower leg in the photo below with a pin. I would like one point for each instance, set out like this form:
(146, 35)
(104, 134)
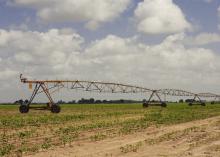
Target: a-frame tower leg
(152, 103)
(195, 102)
(24, 107)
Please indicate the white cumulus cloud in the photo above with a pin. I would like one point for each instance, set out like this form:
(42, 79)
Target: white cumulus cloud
(203, 39)
(37, 52)
(59, 54)
(160, 17)
(93, 12)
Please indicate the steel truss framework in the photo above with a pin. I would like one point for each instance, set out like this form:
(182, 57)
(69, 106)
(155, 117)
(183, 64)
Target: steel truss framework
(50, 86)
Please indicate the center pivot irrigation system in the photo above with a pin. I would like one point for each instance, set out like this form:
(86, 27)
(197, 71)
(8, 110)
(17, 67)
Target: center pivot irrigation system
(49, 87)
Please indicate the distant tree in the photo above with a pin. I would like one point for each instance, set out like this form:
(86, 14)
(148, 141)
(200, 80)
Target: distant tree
(61, 102)
(104, 101)
(81, 101)
(181, 101)
(121, 101)
(98, 101)
(91, 100)
(189, 100)
(72, 102)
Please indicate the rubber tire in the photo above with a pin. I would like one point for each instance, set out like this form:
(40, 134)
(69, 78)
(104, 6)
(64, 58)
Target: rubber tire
(203, 104)
(24, 109)
(190, 104)
(163, 104)
(55, 108)
(145, 105)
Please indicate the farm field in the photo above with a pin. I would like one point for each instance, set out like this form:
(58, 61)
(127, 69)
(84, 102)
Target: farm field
(111, 130)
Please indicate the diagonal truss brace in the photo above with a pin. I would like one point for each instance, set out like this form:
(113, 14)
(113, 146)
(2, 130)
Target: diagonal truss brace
(45, 89)
(151, 96)
(150, 102)
(195, 102)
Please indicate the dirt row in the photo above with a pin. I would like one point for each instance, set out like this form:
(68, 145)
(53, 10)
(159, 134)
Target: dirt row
(197, 138)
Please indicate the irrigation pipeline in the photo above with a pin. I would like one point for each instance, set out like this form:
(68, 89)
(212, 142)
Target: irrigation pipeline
(108, 87)
(48, 87)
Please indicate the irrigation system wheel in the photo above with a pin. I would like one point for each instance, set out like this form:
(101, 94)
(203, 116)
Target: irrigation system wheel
(163, 104)
(55, 108)
(190, 104)
(203, 104)
(24, 108)
(145, 105)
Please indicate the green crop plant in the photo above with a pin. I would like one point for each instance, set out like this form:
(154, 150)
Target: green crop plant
(131, 147)
(98, 137)
(47, 130)
(47, 143)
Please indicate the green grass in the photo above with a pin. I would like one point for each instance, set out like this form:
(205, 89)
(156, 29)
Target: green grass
(43, 130)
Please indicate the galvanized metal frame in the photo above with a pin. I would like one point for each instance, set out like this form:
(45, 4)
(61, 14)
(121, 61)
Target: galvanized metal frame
(151, 102)
(50, 86)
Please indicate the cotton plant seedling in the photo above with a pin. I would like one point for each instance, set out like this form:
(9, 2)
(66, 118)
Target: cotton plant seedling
(94, 123)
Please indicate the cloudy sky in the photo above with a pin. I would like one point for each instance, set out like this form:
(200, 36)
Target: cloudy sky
(151, 43)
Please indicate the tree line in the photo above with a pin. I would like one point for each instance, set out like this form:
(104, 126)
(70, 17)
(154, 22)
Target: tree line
(93, 101)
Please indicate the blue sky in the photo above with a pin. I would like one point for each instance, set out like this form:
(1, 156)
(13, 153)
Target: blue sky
(197, 11)
(203, 13)
(153, 43)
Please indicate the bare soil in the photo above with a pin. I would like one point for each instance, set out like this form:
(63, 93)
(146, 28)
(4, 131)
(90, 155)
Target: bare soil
(197, 138)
